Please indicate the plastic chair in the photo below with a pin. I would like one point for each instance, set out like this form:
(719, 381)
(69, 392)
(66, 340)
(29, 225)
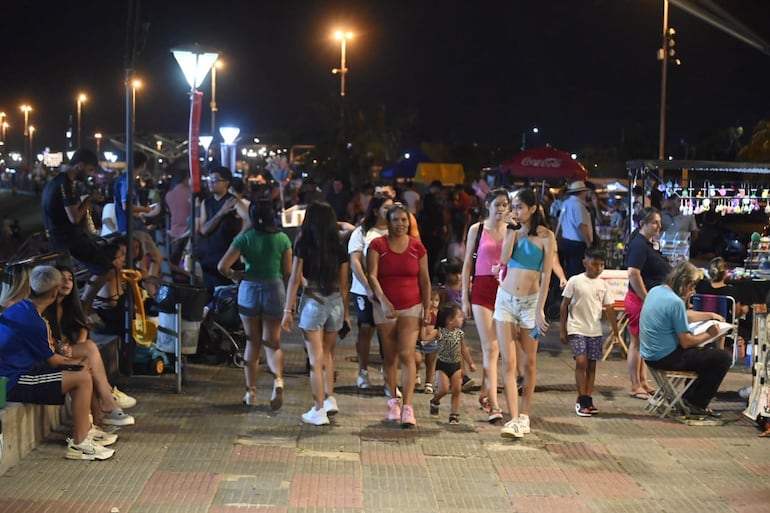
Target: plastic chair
(724, 306)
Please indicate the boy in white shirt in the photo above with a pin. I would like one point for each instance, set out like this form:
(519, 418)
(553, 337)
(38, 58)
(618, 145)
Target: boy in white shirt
(585, 297)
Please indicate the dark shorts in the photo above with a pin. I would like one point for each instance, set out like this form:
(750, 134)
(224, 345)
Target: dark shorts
(363, 310)
(484, 291)
(586, 346)
(40, 386)
(92, 255)
(447, 368)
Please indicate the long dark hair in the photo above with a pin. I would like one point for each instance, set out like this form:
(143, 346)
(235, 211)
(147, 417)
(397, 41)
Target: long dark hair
(73, 319)
(446, 312)
(371, 213)
(492, 196)
(527, 196)
(320, 238)
(262, 216)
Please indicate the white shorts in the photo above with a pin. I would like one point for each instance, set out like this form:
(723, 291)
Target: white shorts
(379, 314)
(516, 310)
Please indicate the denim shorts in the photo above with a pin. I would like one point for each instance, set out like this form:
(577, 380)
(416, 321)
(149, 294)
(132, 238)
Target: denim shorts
(263, 297)
(315, 315)
(516, 310)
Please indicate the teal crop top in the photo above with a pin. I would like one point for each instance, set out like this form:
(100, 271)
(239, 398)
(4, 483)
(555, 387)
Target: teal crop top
(527, 255)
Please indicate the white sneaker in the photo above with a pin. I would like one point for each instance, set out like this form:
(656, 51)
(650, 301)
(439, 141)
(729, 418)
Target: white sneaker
(330, 405)
(511, 429)
(124, 400)
(524, 423)
(250, 398)
(117, 418)
(418, 381)
(102, 437)
(315, 417)
(362, 381)
(87, 450)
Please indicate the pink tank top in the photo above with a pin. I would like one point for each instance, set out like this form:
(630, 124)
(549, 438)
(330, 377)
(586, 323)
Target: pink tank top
(488, 253)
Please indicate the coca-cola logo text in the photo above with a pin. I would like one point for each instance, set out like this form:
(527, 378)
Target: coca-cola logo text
(549, 162)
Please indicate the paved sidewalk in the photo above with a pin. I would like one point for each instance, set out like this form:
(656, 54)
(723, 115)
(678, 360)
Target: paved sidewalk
(204, 451)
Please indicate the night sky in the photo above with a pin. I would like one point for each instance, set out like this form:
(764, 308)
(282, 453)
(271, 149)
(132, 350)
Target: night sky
(582, 71)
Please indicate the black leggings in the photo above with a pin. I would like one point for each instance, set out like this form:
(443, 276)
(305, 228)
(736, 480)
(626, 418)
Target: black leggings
(710, 363)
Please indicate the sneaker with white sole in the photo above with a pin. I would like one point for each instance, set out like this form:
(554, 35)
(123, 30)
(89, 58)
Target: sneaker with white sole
(418, 381)
(250, 398)
(123, 400)
(407, 417)
(582, 411)
(428, 388)
(511, 429)
(524, 423)
(362, 381)
(330, 405)
(87, 450)
(315, 417)
(102, 437)
(117, 417)
(394, 409)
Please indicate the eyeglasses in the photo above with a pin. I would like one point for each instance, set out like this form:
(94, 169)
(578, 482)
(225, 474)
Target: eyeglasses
(217, 180)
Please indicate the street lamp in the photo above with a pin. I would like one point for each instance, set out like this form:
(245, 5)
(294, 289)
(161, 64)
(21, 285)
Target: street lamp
(342, 70)
(4, 128)
(2, 124)
(534, 130)
(205, 141)
(31, 135)
(213, 104)
(227, 148)
(98, 137)
(81, 100)
(195, 63)
(26, 110)
(135, 84)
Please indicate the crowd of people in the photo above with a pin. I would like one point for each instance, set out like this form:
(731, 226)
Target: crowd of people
(414, 266)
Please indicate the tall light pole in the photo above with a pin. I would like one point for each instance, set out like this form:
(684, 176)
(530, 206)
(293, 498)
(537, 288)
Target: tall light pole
(135, 84)
(213, 104)
(81, 100)
(26, 110)
(98, 137)
(665, 54)
(31, 138)
(534, 130)
(2, 124)
(342, 70)
(4, 128)
(195, 63)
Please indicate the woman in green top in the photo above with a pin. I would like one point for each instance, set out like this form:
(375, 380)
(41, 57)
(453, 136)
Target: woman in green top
(261, 295)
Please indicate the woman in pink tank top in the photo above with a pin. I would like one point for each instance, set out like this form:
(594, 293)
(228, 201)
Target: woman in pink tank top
(480, 290)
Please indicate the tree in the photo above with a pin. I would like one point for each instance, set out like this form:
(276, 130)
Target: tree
(758, 150)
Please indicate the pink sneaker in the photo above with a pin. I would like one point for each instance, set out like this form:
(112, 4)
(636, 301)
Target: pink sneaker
(394, 409)
(407, 417)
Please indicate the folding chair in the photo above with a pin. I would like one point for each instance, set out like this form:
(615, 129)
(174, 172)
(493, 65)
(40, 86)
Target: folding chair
(724, 306)
(672, 386)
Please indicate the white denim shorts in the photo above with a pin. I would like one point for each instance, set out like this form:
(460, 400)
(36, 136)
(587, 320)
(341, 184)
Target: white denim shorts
(516, 310)
(379, 313)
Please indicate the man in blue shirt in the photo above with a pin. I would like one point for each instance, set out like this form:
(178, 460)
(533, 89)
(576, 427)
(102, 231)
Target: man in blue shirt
(36, 374)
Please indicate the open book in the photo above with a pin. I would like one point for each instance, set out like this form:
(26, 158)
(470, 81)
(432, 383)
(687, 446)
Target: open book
(696, 328)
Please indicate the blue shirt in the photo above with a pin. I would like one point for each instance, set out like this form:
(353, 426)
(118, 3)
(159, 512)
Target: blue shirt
(527, 255)
(663, 318)
(23, 341)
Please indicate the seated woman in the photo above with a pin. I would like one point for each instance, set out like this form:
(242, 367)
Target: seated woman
(110, 301)
(68, 327)
(715, 285)
(14, 287)
(667, 344)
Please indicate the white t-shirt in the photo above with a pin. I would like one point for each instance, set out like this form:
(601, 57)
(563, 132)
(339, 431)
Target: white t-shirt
(108, 212)
(360, 243)
(588, 297)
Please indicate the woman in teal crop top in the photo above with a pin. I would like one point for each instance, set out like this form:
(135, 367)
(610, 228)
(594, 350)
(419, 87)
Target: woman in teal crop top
(519, 308)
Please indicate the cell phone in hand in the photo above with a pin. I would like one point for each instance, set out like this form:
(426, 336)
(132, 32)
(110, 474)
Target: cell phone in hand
(71, 367)
(344, 330)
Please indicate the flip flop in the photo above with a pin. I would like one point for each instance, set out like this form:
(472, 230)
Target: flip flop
(644, 396)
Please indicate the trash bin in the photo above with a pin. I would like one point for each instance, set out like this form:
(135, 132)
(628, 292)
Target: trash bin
(191, 297)
(189, 332)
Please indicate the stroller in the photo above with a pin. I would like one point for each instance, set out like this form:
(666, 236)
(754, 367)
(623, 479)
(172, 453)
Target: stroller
(222, 325)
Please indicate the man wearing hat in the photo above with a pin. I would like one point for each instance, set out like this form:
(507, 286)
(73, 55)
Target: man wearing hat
(576, 229)
(65, 216)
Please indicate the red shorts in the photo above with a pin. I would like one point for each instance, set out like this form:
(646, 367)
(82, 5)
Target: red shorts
(633, 305)
(484, 291)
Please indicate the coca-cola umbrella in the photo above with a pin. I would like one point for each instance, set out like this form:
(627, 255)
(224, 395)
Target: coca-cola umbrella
(544, 163)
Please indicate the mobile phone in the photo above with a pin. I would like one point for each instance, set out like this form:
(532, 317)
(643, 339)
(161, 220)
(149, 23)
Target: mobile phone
(71, 367)
(344, 330)
(535, 333)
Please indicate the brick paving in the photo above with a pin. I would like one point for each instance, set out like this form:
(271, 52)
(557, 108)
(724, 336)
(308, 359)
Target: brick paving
(203, 451)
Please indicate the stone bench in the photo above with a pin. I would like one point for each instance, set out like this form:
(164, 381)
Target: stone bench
(24, 426)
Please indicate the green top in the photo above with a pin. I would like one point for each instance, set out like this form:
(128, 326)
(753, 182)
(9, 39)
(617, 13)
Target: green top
(262, 253)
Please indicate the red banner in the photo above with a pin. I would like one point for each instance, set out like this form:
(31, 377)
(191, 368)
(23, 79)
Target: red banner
(193, 145)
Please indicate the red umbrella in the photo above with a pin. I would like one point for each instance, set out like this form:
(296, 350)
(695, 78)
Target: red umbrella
(545, 163)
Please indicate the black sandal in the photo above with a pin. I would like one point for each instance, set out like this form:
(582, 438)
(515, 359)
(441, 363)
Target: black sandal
(454, 418)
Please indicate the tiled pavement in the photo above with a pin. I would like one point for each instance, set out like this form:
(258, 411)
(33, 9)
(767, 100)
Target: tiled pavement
(203, 451)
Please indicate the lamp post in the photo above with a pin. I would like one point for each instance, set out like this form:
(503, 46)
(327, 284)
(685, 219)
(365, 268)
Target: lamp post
(98, 137)
(195, 63)
(2, 124)
(534, 130)
(205, 141)
(342, 70)
(228, 147)
(213, 104)
(81, 100)
(4, 128)
(26, 110)
(135, 84)
(31, 138)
